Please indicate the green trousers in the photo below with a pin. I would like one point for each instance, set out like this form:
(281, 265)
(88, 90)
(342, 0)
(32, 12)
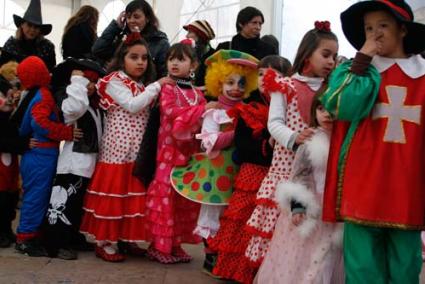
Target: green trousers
(381, 255)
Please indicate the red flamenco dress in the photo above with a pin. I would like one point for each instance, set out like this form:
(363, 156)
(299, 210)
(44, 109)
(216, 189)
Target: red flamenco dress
(255, 152)
(115, 200)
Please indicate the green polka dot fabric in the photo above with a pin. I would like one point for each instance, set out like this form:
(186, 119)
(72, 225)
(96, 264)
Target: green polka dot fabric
(207, 181)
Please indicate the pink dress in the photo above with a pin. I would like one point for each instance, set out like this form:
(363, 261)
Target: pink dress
(312, 251)
(172, 218)
(262, 221)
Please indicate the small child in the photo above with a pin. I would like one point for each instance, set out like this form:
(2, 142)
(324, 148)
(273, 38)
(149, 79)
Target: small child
(74, 82)
(375, 181)
(11, 144)
(38, 165)
(115, 200)
(171, 218)
(289, 117)
(255, 148)
(303, 248)
(208, 178)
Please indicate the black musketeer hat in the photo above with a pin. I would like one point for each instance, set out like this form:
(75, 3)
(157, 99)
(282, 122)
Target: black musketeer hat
(33, 15)
(353, 26)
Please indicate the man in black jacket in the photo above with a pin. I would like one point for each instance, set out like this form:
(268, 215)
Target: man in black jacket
(248, 25)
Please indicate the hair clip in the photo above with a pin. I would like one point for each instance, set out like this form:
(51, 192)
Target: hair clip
(189, 41)
(324, 26)
(131, 38)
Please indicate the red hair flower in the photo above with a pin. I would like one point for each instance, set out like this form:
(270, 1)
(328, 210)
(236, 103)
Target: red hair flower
(324, 26)
(189, 41)
(131, 38)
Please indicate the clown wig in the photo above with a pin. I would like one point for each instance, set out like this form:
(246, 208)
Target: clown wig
(218, 71)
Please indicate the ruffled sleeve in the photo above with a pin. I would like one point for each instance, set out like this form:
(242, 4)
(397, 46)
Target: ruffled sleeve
(210, 132)
(186, 120)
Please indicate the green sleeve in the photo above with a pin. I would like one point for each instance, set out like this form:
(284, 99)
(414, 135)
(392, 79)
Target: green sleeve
(349, 96)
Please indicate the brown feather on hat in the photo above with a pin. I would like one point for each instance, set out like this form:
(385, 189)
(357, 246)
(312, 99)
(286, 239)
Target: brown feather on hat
(202, 29)
(33, 15)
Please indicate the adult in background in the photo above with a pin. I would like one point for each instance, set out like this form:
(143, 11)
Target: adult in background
(248, 26)
(202, 33)
(79, 33)
(29, 38)
(138, 16)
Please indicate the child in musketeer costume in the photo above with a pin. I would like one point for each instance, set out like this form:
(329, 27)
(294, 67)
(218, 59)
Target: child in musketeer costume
(208, 178)
(74, 88)
(379, 97)
(38, 165)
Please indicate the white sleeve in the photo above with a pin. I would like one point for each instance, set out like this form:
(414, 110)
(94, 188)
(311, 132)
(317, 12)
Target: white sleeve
(77, 102)
(277, 122)
(123, 96)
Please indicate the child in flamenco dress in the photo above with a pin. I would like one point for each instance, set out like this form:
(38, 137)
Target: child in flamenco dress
(289, 118)
(208, 178)
(115, 200)
(304, 249)
(171, 218)
(254, 147)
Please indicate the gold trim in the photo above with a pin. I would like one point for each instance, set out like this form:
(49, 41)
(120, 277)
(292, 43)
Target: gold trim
(382, 224)
(337, 91)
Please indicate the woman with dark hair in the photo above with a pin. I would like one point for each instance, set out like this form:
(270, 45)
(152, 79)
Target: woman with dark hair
(80, 33)
(29, 38)
(138, 16)
(248, 26)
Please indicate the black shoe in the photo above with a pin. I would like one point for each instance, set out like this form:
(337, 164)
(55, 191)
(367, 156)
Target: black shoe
(31, 248)
(67, 254)
(209, 263)
(5, 242)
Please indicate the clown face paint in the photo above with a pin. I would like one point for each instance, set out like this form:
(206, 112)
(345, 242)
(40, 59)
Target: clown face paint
(234, 87)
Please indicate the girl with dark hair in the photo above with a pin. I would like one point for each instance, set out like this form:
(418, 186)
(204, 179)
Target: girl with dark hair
(115, 200)
(138, 16)
(248, 26)
(80, 33)
(171, 218)
(304, 249)
(255, 149)
(288, 121)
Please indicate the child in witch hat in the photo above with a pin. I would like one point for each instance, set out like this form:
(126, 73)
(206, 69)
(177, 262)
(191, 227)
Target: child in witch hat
(381, 92)
(74, 85)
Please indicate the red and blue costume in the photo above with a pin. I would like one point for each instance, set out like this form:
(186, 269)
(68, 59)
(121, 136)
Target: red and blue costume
(38, 165)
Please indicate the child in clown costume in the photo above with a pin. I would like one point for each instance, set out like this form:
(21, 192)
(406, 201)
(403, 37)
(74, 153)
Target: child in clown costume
(208, 178)
(38, 165)
(379, 99)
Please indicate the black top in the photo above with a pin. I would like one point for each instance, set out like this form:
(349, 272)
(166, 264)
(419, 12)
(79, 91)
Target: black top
(253, 46)
(10, 141)
(18, 50)
(250, 149)
(104, 47)
(78, 41)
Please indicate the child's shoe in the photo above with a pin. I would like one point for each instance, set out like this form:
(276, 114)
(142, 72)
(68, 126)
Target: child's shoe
(163, 258)
(108, 253)
(31, 248)
(181, 255)
(209, 263)
(67, 254)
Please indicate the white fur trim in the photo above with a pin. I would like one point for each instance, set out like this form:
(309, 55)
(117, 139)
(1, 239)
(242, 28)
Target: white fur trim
(337, 235)
(288, 191)
(318, 149)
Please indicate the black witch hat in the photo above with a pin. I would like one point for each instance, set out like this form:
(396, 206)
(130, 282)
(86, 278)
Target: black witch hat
(33, 15)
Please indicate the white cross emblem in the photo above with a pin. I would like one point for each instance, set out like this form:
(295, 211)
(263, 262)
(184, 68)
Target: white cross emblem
(396, 112)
